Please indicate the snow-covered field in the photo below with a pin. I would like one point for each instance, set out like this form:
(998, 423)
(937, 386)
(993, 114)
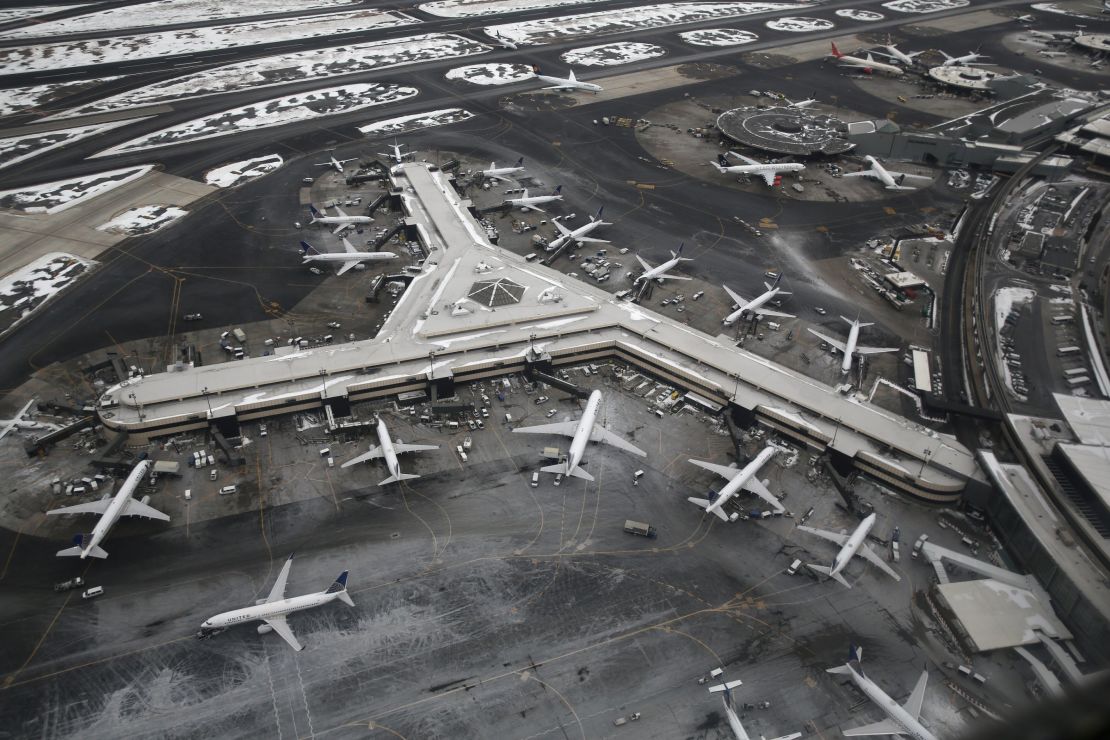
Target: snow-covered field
(322, 103)
(237, 173)
(164, 13)
(475, 8)
(52, 197)
(925, 6)
(316, 64)
(143, 219)
(495, 73)
(416, 121)
(797, 24)
(1055, 8)
(20, 98)
(867, 16)
(15, 14)
(28, 287)
(718, 37)
(18, 148)
(608, 55)
(78, 53)
(546, 30)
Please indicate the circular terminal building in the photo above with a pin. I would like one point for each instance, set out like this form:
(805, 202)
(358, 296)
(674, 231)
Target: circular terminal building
(965, 78)
(785, 131)
(1098, 42)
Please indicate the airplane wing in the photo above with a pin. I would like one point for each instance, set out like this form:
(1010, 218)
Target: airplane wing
(862, 173)
(138, 508)
(834, 342)
(590, 240)
(277, 593)
(605, 436)
(92, 507)
(373, 454)
(910, 175)
(791, 736)
(769, 177)
(754, 485)
(839, 539)
(768, 312)
(282, 628)
(562, 229)
(339, 210)
(746, 160)
(877, 561)
(400, 447)
(917, 696)
(643, 262)
(735, 297)
(874, 350)
(726, 472)
(885, 727)
(342, 227)
(533, 207)
(348, 247)
(668, 276)
(565, 428)
(347, 266)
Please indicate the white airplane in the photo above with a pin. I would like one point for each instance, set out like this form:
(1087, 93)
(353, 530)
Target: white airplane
(344, 221)
(890, 179)
(17, 422)
(503, 42)
(350, 257)
(660, 272)
(744, 478)
(110, 509)
(767, 171)
(734, 721)
(906, 58)
(570, 82)
(275, 608)
(755, 305)
(335, 164)
(851, 348)
(389, 450)
(499, 172)
(532, 202)
(904, 719)
(801, 104)
(398, 157)
(867, 65)
(579, 235)
(966, 59)
(850, 545)
(583, 431)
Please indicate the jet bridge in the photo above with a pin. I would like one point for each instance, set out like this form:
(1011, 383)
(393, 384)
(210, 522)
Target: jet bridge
(935, 554)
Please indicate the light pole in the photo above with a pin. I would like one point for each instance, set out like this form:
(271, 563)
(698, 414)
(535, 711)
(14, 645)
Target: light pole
(206, 400)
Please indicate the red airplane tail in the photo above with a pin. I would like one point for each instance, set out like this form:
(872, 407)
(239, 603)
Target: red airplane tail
(835, 51)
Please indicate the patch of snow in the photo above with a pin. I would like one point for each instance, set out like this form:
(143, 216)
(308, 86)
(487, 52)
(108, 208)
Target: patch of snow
(238, 173)
(925, 6)
(19, 14)
(52, 197)
(867, 16)
(476, 8)
(19, 148)
(26, 289)
(495, 73)
(608, 55)
(143, 219)
(20, 98)
(416, 121)
(798, 24)
(315, 104)
(281, 69)
(718, 37)
(1055, 8)
(155, 45)
(1004, 300)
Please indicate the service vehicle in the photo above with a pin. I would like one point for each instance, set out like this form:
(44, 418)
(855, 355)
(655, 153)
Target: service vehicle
(641, 529)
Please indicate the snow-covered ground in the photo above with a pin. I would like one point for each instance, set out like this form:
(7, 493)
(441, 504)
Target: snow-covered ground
(1055, 8)
(20, 98)
(143, 219)
(867, 16)
(495, 73)
(28, 287)
(401, 124)
(475, 8)
(718, 37)
(17, 14)
(608, 55)
(315, 64)
(1004, 300)
(18, 148)
(546, 30)
(797, 24)
(79, 53)
(237, 173)
(322, 103)
(52, 197)
(925, 6)
(164, 13)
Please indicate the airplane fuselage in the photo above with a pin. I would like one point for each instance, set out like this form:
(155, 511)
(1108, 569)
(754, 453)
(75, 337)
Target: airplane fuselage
(269, 610)
(848, 551)
(868, 66)
(582, 431)
(348, 257)
(658, 270)
(112, 514)
(759, 169)
(582, 230)
(736, 485)
(501, 171)
(341, 219)
(895, 711)
(388, 453)
(850, 348)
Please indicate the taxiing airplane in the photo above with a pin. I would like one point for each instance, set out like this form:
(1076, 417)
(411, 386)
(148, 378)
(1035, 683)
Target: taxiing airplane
(730, 711)
(579, 235)
(397, 156)
(570, 82)
(498, 173)
(851, 348)
(868, 65)
(110, 510)
(581, 432)
(350, 257)
(745, 478)
(850, 545)
(532, 202)
(962, 61)
(660, 272)
(890, 179)
(503, 42)
(904, 719)
(344, 221)
(906, 58)
(275, 608)
(336, 164)
(755, 305)
(768, 171)
(389, 450)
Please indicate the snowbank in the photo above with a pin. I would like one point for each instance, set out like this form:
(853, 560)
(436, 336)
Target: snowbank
(495, 73)
(401, 124)
(718, 37)
(52, 197)
(143, 219)
(608, 55)
(238, 173)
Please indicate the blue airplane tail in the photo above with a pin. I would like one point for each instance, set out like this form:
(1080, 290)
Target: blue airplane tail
(558, 190)
(307, 248)
(598, 216)
(520, 162)
(340, 589)
(313, 211)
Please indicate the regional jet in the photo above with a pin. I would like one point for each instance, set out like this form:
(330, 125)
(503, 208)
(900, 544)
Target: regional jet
(963, 61)
(904, 719)
(499, 173)
(335, 164)
(767, 171)
(579, 235)
(660, 272)
(532, 202)
(867, 65)
(570, 82)
(397, 157)
(350, 257)
(890, 179)
(730, 712)
(389, 449)
(110, 509)
(583, 431)
(745, 478)
(344, 221)
(275, 608)
(850, 545)
(850, 348)
(755, 305)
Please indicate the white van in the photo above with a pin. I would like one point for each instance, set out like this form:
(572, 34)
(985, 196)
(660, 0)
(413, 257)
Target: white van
(325, 451)
(794, 567)
(331, 461)
(188, 494)
(535, 480)
(508, 418)
(92, 592)
(228, 489)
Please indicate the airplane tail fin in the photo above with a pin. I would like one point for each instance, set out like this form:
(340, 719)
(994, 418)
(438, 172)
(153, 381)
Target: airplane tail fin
(702, 502)
(558, 190)
(520, 162)
(78, 550)
(571, 76)
(575, 472)
(340, 588)
(399, 477)
(307, 248)
(597, 216)
(312, 209)
(828, 572)
(835, 51)
(862, 323)
(855, 659)
(718, 166)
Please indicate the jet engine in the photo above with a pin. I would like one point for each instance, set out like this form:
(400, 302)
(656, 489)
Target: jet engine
(265, 629)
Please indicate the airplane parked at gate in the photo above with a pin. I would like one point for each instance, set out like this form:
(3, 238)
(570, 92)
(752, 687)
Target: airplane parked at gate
(730, 710)
(850, 546)
(344, 221)
(890, 179)
(579, 235)
(745, 479)
(850, 348)
(755, 305)
(660, 272)
(581, 432)
(963, 61)
(768, 171)
(570, 82)
(397, 156)
(498, 173)
(389, 450)
(867, 65)
(904, 719)
(350, 257)
(335, 164)
(892, 51)
(532, 202)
